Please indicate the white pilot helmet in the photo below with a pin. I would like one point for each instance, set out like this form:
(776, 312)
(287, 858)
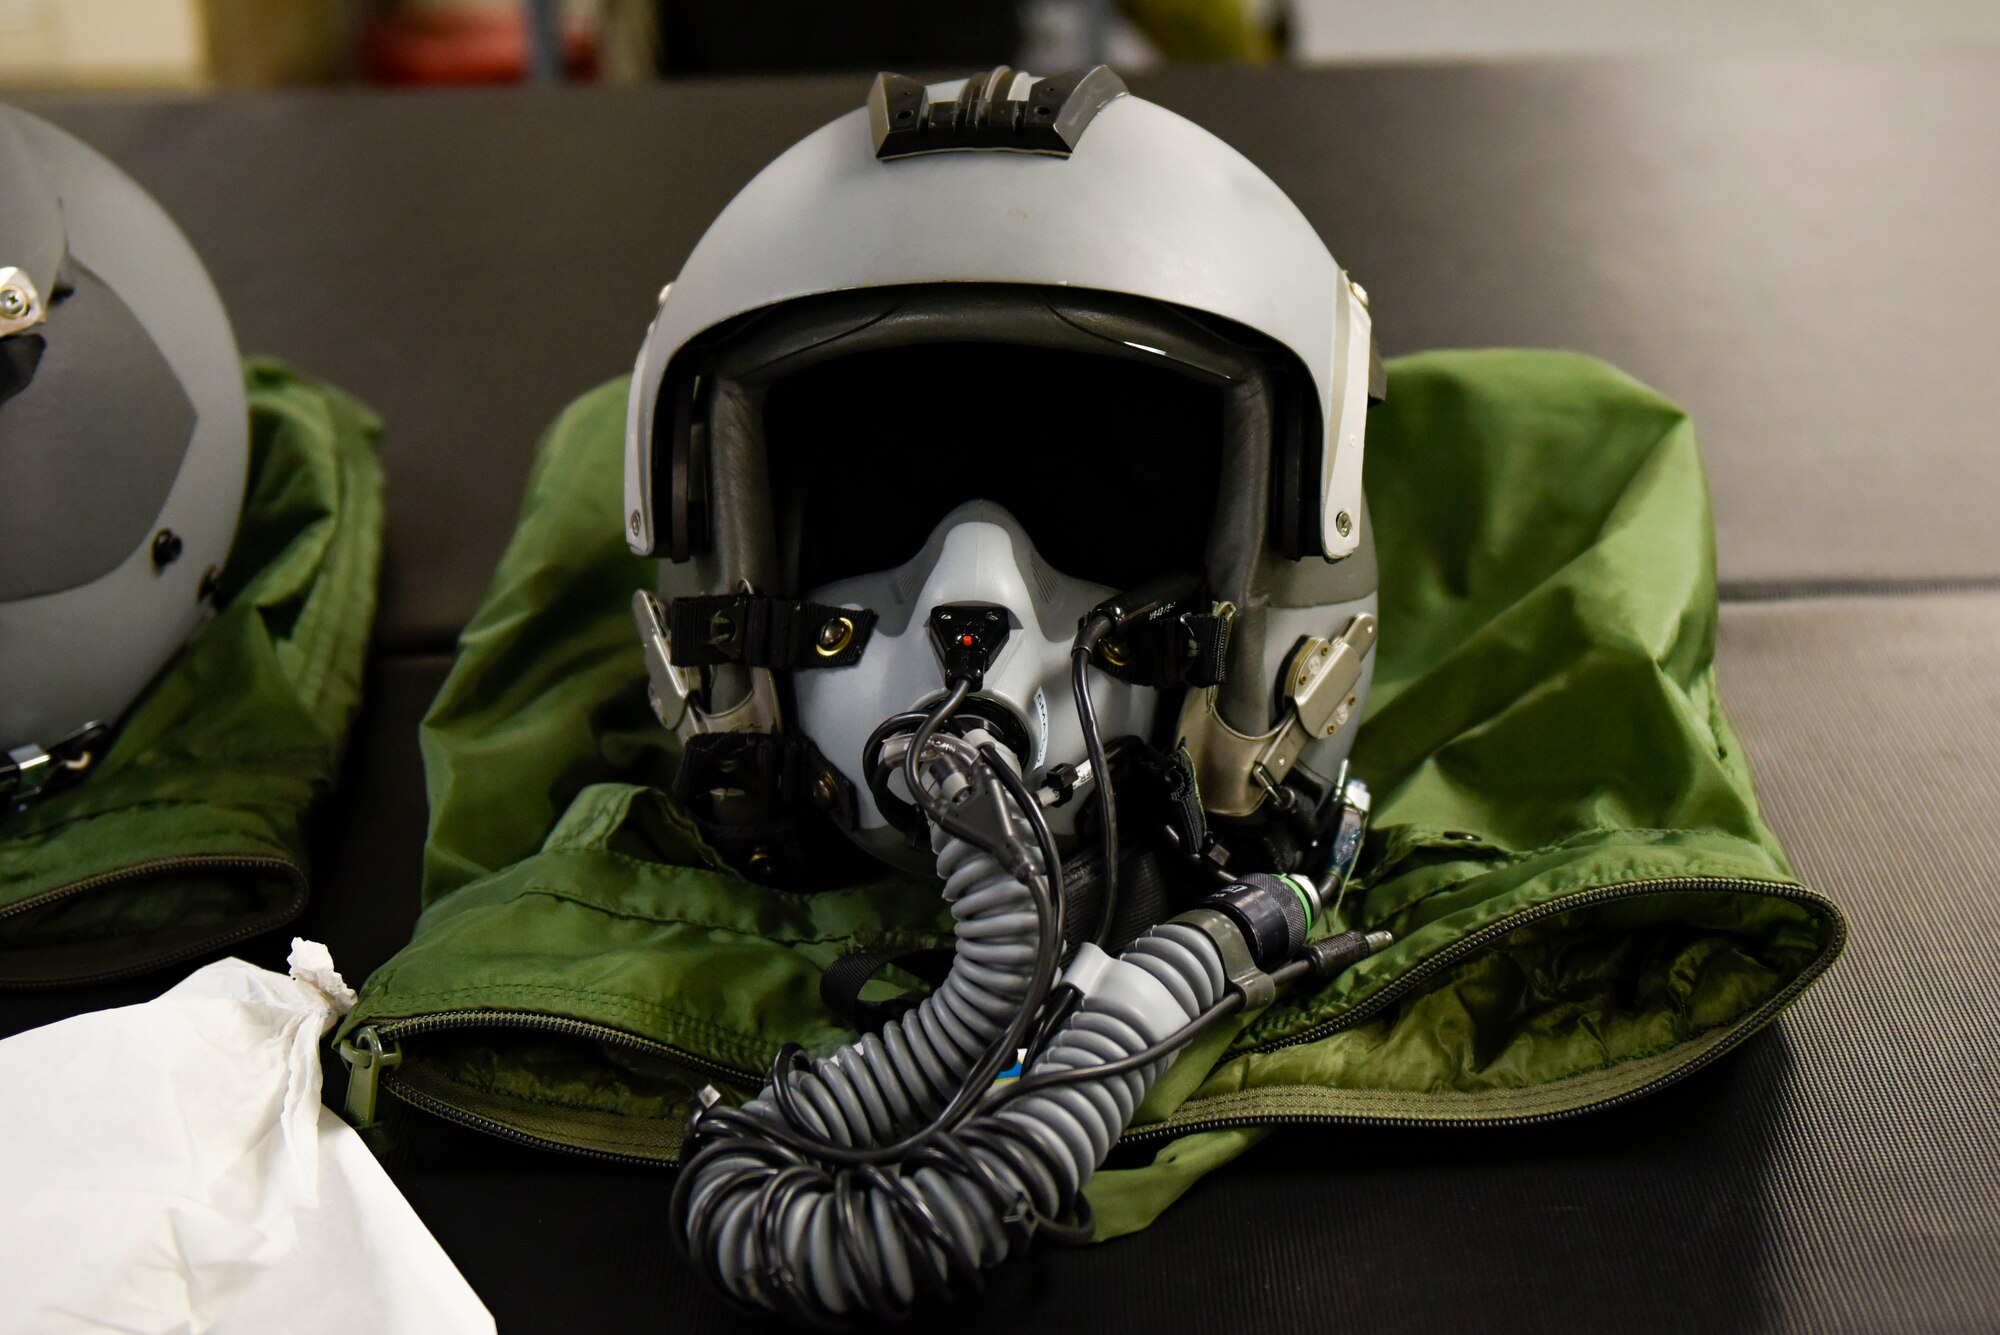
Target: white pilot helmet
(1005, 350)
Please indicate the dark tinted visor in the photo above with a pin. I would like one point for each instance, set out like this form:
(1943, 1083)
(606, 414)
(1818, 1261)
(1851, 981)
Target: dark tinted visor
(1111, 464)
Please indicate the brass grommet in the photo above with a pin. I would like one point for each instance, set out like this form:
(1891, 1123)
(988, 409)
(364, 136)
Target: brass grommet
(1114, 653)
(834, 636)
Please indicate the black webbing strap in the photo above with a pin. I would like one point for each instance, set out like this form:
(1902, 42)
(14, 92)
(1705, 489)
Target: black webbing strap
(1166, 838)
(768, 802)
(1163, 791)
(756, 631)
(1188, 649)
(769, 768)
(1148, 894)
(841, 983)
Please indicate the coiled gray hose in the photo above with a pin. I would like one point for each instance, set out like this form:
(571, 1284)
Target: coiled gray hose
(871, 1091)
(780, 1231)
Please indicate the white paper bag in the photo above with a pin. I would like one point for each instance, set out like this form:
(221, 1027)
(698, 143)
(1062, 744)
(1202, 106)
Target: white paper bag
(168, 1168)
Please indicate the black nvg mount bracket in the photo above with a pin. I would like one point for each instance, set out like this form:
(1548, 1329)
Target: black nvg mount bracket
(904, 122)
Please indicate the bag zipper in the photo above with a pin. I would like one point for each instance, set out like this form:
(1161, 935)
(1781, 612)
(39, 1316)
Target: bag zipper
(1472, 944)
(159, 866)
(416, 1098)
(373, 1050)
(368, 1063)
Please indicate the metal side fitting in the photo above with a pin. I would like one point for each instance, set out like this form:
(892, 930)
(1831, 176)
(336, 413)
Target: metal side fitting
(1237, 772)
(676, 692)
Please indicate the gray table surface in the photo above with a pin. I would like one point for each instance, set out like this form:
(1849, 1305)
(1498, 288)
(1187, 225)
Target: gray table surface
(1801, 250)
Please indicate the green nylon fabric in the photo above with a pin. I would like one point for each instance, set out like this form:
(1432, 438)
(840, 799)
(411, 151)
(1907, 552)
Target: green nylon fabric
(189, 833)
(1566, 843)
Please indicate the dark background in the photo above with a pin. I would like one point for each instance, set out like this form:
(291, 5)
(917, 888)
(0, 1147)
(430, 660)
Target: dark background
(1799, 249)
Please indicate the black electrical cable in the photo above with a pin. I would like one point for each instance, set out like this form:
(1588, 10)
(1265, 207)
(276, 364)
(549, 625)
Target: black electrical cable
(1044, 889)
(1094, 629)
(902, 815)
(1045, 839)
(935, 1257)
(1053, 1015)
(1172, 1043)
(1166, 1047)
(939, 712)
(748, 1145)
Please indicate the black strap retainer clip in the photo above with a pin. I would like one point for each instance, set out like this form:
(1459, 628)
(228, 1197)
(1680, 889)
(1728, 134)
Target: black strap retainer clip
(1186, 646)
(759, 631)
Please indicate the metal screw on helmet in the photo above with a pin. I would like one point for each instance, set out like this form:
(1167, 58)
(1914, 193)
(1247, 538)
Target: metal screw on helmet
(825, 790)
(20, 304)
(634, 523)
(1344, 522)
(166, 548)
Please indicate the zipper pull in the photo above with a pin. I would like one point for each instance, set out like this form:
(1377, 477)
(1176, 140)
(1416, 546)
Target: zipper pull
(366, 1059)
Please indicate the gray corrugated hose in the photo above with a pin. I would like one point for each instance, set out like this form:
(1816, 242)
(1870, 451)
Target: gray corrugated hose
(824, 1242)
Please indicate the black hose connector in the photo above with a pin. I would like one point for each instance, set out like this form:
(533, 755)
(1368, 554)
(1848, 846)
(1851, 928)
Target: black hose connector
(1273, 913)
(1337, 954)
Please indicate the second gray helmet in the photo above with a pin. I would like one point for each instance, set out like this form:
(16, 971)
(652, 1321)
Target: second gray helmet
(124, 447)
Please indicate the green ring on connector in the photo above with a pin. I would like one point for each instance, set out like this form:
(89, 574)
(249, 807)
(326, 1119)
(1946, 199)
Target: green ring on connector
(1304, 890)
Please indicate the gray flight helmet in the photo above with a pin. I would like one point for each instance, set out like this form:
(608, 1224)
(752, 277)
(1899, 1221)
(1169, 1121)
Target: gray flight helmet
(124, 447)
(1132, 244)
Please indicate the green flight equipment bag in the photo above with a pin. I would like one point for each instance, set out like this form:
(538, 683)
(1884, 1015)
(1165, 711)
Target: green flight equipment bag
(188, 833)
(1566, 845)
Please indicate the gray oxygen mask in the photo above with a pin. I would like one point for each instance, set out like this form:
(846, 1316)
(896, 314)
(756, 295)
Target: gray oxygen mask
(977, 568)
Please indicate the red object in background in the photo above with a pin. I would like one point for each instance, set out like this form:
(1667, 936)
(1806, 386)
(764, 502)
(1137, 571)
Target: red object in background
(468, 46)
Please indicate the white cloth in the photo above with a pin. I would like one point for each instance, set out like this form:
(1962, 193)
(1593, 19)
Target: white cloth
(168, 1167)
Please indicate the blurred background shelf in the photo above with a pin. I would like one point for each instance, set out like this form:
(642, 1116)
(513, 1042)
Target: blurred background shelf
(215, 44)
